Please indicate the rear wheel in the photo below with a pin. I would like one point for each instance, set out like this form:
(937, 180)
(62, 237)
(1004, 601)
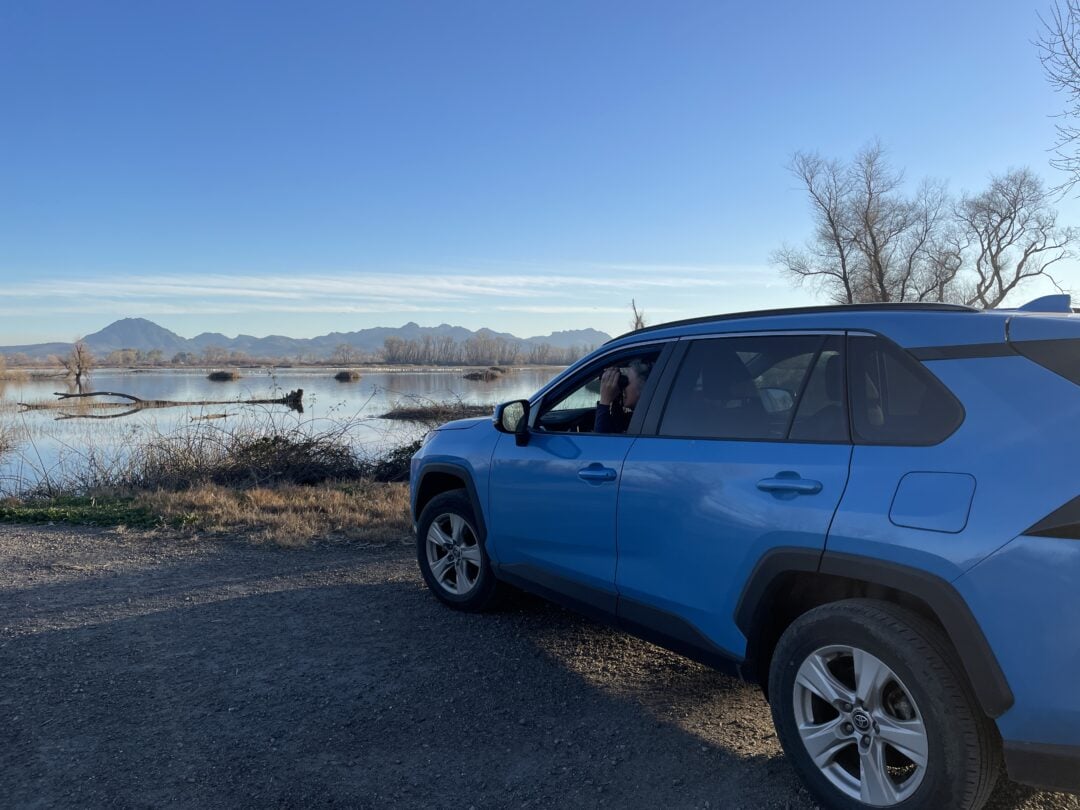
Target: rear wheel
(451, 555)
(873, 709)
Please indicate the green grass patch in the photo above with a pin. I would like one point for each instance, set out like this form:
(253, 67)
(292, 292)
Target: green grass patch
(81, 511)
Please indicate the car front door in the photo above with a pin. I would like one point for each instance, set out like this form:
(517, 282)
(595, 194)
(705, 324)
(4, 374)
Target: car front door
(747, 450)
(552, 500)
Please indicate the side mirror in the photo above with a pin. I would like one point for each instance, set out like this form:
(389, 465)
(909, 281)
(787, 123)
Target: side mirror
(513, 417)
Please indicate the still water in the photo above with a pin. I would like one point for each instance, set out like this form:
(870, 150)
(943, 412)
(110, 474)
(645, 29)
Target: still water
(53, 440)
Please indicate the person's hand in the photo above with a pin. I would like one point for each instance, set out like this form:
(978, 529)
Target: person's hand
(609, 386)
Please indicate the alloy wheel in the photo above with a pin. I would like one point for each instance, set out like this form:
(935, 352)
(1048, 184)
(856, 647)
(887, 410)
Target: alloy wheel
(453, 553)
(860, 725)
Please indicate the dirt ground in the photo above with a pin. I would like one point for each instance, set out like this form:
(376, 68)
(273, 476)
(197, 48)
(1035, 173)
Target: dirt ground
(141, 671)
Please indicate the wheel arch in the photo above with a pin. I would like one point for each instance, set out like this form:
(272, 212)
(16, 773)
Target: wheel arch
(786, 583)
(439, 477)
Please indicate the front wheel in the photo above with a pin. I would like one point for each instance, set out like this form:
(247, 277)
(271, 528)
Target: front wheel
(451, 554)
(873, 709)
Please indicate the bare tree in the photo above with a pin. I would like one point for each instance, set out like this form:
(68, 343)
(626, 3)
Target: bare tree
(344, 354)
(1013, 229)
(940, 279)
(78, 363)
(881, 220)
(214, 354)
(929, 252)
(870, 241)
(638, 321)
(827, 259)
(1059, 51)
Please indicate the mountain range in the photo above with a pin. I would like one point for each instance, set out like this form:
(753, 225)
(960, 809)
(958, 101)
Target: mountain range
(141, 334)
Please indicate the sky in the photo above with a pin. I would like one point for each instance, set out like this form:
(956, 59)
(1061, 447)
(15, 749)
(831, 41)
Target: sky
(299, 168)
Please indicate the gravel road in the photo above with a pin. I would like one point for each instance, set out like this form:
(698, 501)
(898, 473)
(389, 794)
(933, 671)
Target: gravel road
(144, 671)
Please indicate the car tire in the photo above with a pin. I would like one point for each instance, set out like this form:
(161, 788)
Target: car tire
(873, 709)
(450, 551)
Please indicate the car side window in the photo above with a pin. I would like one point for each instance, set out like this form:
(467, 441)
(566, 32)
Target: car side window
(895, 399)
(574, 409)
(739, 388)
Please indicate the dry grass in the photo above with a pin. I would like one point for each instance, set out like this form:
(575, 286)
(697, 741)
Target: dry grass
(289, 515)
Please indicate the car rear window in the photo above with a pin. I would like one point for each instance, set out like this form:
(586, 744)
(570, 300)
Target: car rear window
(822, 415)
(895, 399)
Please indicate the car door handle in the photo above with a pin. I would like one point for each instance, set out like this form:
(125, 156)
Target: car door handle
(596, 474)
(789, 483)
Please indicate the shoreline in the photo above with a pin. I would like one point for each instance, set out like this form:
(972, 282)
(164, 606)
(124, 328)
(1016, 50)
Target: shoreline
(20, 373)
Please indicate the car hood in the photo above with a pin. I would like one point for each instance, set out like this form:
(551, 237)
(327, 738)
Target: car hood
(464, 424)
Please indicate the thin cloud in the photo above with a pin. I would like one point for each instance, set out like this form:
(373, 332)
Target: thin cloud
(356, 292)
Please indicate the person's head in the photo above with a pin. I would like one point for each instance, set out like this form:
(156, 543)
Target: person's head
(637, 372)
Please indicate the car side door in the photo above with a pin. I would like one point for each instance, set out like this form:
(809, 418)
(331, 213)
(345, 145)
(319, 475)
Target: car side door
(747, 450)
(552, 498)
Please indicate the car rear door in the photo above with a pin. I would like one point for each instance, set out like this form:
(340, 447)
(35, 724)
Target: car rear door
(746, 450)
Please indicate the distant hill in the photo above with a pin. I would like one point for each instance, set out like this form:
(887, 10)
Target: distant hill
(145, 335)
(136, 333)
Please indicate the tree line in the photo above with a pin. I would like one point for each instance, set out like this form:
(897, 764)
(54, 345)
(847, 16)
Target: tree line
(442, 351)
(481, 350)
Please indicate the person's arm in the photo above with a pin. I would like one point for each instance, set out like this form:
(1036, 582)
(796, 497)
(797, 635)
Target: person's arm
(605, 422)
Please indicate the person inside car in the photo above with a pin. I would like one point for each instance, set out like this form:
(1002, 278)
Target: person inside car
(620, 390)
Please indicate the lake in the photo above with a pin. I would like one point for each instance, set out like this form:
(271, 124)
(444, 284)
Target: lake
(48, 445)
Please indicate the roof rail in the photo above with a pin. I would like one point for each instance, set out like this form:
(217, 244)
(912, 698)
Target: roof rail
(906, 306)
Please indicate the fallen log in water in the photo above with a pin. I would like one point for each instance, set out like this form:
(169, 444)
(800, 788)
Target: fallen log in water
(134, 404)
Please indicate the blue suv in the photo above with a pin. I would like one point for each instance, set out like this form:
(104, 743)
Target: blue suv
(872, 511)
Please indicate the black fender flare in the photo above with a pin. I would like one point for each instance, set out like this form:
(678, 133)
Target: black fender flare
(981, 665)
(461, 472)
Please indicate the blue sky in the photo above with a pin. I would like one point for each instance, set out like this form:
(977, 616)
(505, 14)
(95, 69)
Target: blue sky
(270, 167)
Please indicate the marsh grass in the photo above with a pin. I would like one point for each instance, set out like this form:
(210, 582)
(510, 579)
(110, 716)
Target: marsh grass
(243, 457)
(7, 438)
(269, 478)
(257, 448)
(431, 413)
(224, 376)
(485, 375)
(265, 474)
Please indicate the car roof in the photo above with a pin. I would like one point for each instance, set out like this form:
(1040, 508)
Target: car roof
(909, 324)
(906, 306)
